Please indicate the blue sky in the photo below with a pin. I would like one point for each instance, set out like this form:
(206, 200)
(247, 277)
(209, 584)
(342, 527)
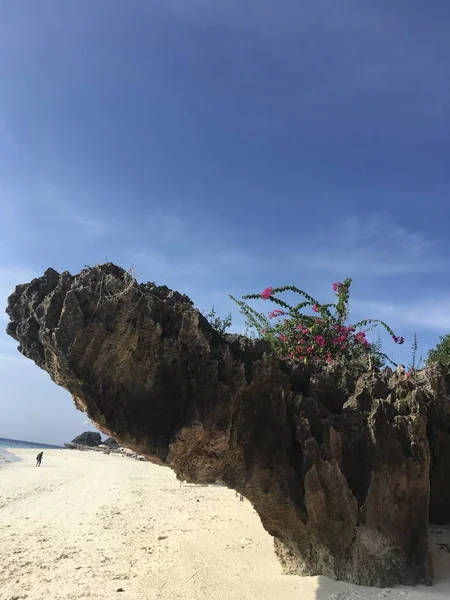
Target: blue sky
(220, 148)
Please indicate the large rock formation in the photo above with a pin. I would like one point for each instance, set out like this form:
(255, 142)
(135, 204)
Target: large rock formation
(111, 443)
(88, 438)
(337, 466)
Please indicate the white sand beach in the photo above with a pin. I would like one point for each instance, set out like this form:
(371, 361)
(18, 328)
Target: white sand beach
(87, 525)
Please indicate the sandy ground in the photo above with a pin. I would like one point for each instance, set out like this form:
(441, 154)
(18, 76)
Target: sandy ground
(87, 525)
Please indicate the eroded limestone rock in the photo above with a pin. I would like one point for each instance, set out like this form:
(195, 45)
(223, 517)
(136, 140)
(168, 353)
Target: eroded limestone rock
(337, 466)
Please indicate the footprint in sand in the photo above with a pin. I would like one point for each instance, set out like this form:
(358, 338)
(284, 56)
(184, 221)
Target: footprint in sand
(242, 543)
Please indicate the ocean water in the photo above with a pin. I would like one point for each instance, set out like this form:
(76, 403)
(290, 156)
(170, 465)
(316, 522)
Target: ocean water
(7, 444)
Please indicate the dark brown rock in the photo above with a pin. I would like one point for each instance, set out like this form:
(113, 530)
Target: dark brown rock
(336, 465)
(111, 443)
(88, 438)
(438, 405)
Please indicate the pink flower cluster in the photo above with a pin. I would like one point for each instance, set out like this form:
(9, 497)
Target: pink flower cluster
(324, 346)
(361, 338)
(345, 329)
(340, 341)
(320, 340)
(267, 293)
(302, 329)
(325, 339)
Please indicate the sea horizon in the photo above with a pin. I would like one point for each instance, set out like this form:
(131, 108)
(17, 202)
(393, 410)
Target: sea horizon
(10, 444)
(13, 443)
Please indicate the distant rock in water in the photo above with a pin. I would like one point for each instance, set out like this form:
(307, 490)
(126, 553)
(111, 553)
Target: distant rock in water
(88, 438)
(111, 443)
(338, 464)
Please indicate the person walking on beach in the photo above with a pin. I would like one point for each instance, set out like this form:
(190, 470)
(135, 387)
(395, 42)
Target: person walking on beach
(39, 459)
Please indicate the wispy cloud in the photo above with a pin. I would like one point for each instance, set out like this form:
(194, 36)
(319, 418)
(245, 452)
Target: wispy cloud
(42, 199)
(429, 314)
(174, 249)
(71, 206)
(88, 224)
(367, 249)
(373, 247)
(195, 267)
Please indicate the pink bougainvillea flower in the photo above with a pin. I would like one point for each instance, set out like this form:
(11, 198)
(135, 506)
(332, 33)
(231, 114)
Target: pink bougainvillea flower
(263, 331)
(320, 340)
(336, 286)
(282, 337)
(361, 337)
(267, 293)
(329, 358)
(315, 308)
(276, 313)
